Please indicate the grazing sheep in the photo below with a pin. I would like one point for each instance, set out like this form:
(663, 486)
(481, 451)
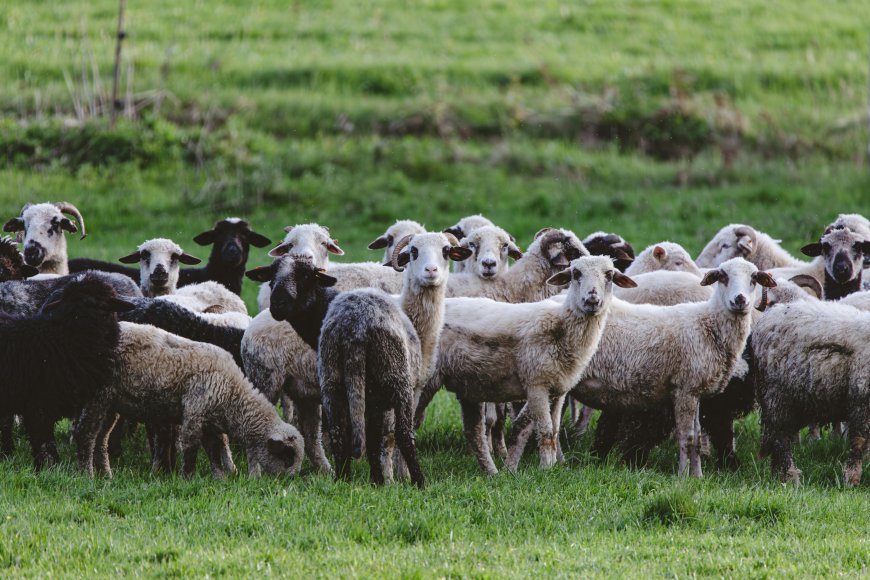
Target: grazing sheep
(742, 241)
(811, 364)
(55, 360)
(310, 241)
(613, 245)
(497, 352)
(158, 264)
(42, 228)
(164, 379)
(663, 256)
(653, 354)
(376, 352)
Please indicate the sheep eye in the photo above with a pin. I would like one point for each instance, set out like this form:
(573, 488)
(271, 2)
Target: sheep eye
(609, 276)
(827, 247)
(726, 246)
(471, 245)
(145, 255)
(414, 253)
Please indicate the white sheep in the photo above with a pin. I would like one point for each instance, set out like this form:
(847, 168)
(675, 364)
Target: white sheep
(498, 352)
(158, 260)
(665, 288)
(208, 297)
(41, 227)
(164, 379)
(742, 241)
(464, 227)
(388, 240)
(663, 256)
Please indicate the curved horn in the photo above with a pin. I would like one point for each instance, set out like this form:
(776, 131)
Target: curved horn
(550, 236)
(451, 238)
(808, 282)
(762, 306)
(68, 208)
(541, 232)
(397, 250)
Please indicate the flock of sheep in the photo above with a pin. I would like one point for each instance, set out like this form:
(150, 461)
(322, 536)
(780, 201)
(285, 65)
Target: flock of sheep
(662, 344)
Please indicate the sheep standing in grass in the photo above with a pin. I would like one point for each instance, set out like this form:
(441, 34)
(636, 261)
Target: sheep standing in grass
(812, 365)
(164, 379)
(653, 354)
(42, 228)
(498, 352)
(54, 361)
(376, 353)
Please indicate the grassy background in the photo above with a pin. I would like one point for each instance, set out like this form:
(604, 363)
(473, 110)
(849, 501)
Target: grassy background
(591, 115)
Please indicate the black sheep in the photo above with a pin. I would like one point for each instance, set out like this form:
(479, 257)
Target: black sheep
(55, 360)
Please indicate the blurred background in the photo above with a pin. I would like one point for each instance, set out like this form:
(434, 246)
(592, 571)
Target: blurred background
(656, 120)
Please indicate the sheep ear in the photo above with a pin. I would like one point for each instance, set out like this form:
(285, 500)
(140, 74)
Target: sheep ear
(403, 259)
(813, 250)
(325, 279)
(623, 281)
(620, 254)
(659, 253)
(865, 248)
(332, 247)
(514, 250)
(279, 250)
(261, 274)
(456, 231)
(764, 279)
(205, 238)
(67, 225)
(118, 305)
(560, 279)
(459, 253)
(258, 240)
(713, 276)
(541, 232)
(380, 243)
(186, 258)
(131, 258)
(14, 225)
(27, 270)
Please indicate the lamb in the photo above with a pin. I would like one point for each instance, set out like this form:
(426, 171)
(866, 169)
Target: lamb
(812, 365)
(375, 353)
(613, 245)
(207, 297)
(663, 256)
(163, 379)
(653, 354)
(41, 227)
(497, 352)
(491, 247)
(158, 263)
(77, 330)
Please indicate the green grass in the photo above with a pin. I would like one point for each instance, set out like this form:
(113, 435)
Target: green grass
(598, 115)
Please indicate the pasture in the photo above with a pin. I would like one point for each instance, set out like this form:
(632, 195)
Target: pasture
(658, 121)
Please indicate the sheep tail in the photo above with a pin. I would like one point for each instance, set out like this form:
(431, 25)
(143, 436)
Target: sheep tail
(355, 384)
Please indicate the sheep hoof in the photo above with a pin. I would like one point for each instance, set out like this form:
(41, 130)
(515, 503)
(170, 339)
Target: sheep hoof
(852, 477)
(793, 475)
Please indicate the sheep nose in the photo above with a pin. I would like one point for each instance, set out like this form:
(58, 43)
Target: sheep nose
(592, 302)
(489, 263)
(842, 269)
(34, 254)
(740, 301)
(431, 269)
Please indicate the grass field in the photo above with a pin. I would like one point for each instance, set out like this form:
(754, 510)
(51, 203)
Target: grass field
(621, 116)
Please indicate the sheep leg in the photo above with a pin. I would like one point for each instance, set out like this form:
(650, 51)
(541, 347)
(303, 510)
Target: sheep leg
(696, 450)
(497, 431)
(424, 397)
(101, 449)
(721, 432)
(40, 432)
(220, 457)
(472, 425)
(338, 423)
(858, 427)
(7, 441)
(375, 437)
(781, 459)
(388, 446)
(574, 408)
(606, 433)
(815, 432)
(539, 407)
(163, 438)
(115, 437)
(308, 415)
(288, 408)
(521, 430)
(582, 425)
(685, 413)
(407, 442)
(88, 425)
(189, 441)
(556, 416)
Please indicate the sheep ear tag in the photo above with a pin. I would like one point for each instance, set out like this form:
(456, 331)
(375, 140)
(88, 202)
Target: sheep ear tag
(458, 253)
(260, 274)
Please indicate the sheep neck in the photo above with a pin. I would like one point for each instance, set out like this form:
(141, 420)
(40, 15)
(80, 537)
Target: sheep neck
(231, 278)
(526, 280)
(308, 325)
(424, 307)
(835, 290)
(54, 266)
(243, 419)
(769, 254)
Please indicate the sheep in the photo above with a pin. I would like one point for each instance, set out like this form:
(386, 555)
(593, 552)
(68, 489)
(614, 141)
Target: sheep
(665, 288)
(388, 240)
(497, 352)
(311, 241)
(491, 247)
(461, 229)
(613, 245)
(207, 297)
(376, 352)
(41, 227)
(842, 252)
(742, 241)
(811, 364)
(859, 300)
(651, 354)
(663, 256)
(55, 360)
(158, 260)
(164, 379)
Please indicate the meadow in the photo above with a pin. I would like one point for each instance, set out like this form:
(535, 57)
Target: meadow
(656, 120)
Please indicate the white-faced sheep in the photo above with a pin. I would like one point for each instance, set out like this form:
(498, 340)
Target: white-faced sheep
(653, 354)
(461, 229)
(666, 256)
(161, 378)
(491, 247)
(158, 265)
(388, 240)
(376, 352)
(811, 364)
(742, 241)
(55, 360)
(41, 227)
(497, 352)
(665, 288)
